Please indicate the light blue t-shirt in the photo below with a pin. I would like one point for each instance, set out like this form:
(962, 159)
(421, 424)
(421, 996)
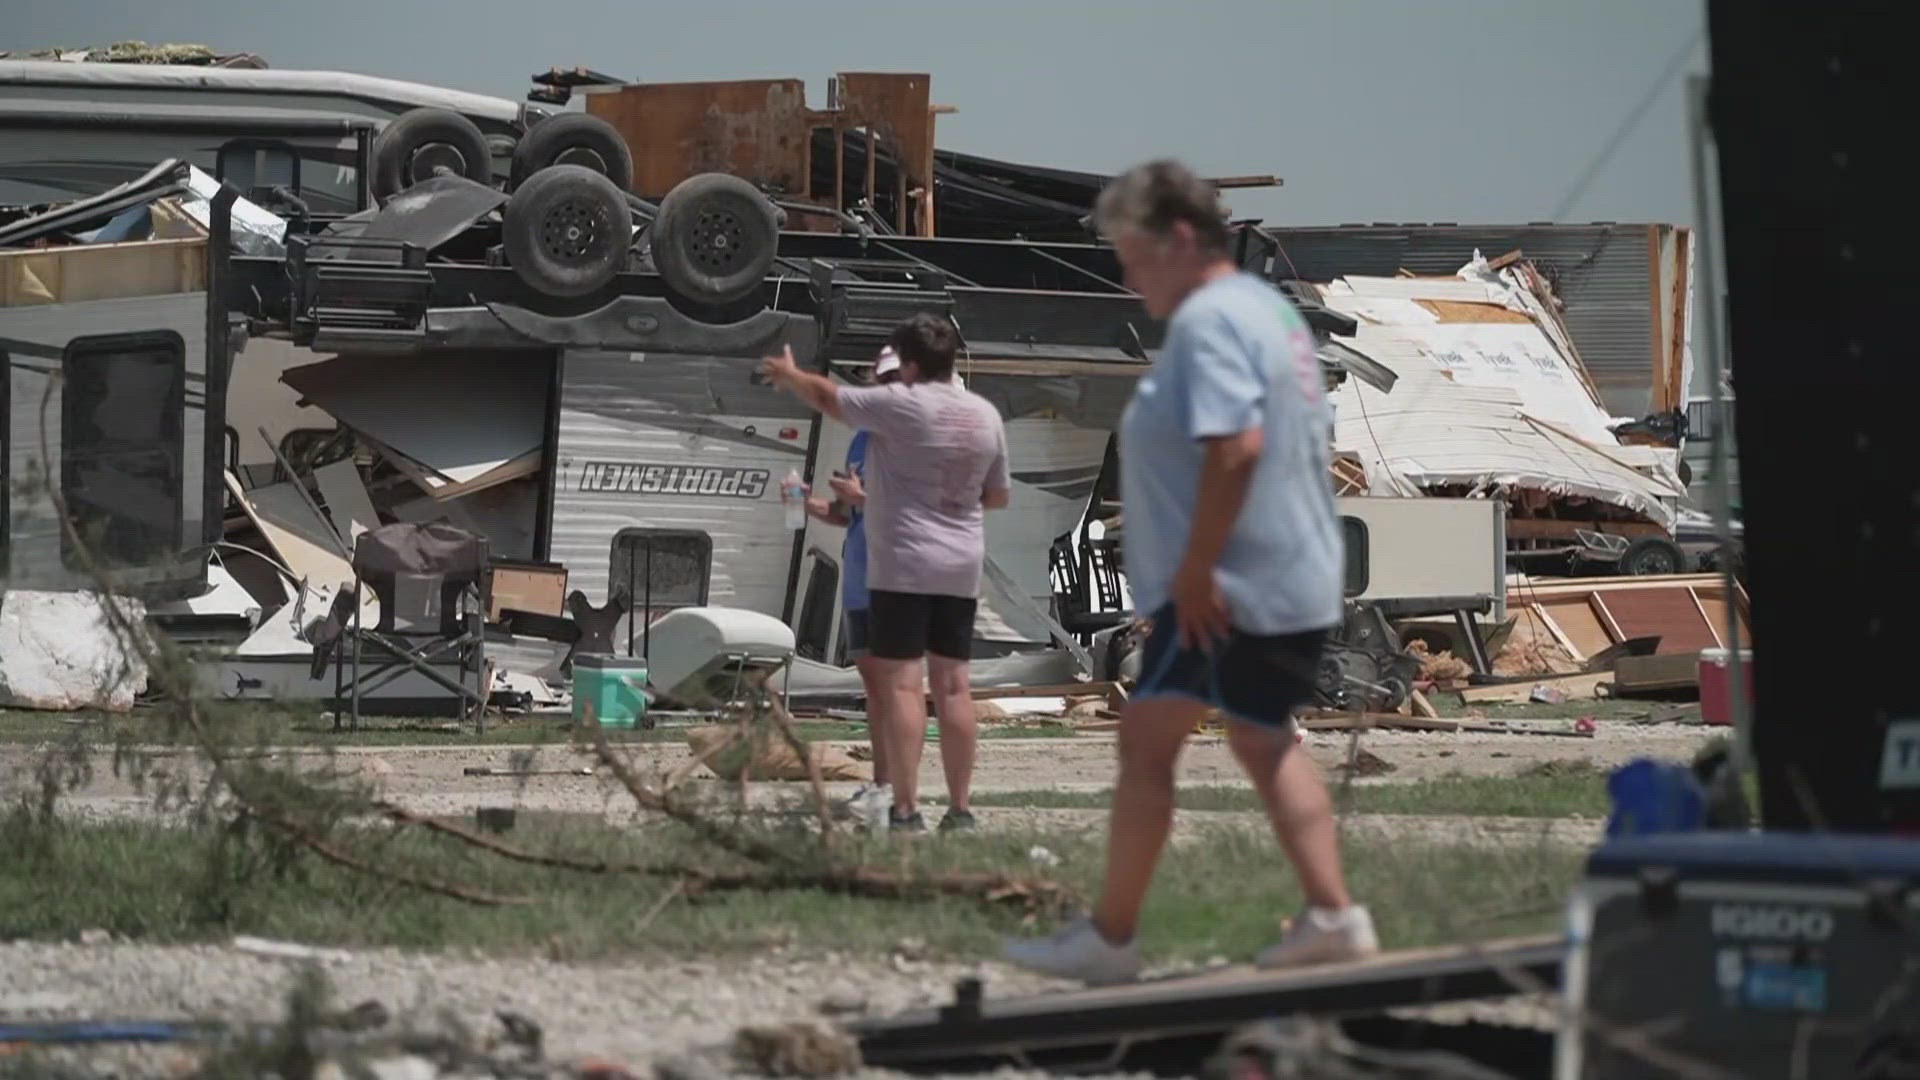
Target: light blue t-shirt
(853, 556)
(1236, 357)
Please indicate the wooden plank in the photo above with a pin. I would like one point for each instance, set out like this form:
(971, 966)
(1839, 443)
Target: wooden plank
(1422, 707)
(1676, 392)
(70, 275)
(1262, 180)
(1713, 626)
(1606, 617)
(1369, 721)
(1546, 620)
(1578, 687)
(1085, 689)
(1673, 671)
(1213, 1002)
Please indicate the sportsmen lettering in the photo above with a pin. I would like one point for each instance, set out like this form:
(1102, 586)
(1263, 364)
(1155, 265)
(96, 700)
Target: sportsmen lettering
(628, 478)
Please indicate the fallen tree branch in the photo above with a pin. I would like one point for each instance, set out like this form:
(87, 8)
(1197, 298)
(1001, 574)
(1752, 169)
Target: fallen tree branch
(341, 858)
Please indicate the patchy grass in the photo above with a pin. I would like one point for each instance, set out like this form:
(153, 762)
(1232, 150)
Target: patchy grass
(1547, 790)
(1219, 895)
(283, 726)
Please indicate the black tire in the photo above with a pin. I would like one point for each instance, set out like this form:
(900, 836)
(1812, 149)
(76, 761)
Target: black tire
(574, 138)
(415, 143)
(1652, 555)
(567, 230)
(714, 239)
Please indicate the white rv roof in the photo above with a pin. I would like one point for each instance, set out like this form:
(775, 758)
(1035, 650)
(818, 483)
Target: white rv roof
(186, 77)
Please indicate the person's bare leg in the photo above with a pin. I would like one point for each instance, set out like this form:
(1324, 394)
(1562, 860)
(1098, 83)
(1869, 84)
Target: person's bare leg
(906, 719)
(1152, 731)
(1299, 807)
(870, 681)
(959, 728)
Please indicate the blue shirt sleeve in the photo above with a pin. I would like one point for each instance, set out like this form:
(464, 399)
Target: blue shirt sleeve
(1225, 389)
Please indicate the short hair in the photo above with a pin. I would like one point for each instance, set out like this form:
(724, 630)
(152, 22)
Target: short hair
(928, 342)
(1152, 197)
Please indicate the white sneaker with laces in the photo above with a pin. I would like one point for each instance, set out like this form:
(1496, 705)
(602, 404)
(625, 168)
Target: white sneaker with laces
(1323, 936)
(1078, 952)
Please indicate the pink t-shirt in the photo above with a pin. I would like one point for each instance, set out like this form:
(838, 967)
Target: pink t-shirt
(935, 449)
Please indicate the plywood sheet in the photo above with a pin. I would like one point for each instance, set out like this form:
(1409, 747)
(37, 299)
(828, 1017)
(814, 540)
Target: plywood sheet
(302, 541)
(1668, 612)
(757, 129)
(70, 275)
(1581, 625)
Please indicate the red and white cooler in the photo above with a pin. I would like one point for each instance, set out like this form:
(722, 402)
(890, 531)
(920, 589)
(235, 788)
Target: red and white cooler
(1716, 684)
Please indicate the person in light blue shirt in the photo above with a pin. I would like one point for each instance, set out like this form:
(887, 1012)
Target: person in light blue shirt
(1233, 549)
(848, 509)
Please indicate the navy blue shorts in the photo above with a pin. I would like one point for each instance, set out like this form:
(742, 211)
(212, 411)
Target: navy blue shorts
(1257, 678)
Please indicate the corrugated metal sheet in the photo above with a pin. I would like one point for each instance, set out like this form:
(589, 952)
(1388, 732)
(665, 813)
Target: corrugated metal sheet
(33, 338)
(1605, 273)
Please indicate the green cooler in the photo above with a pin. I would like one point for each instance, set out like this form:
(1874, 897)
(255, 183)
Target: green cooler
(610, 689)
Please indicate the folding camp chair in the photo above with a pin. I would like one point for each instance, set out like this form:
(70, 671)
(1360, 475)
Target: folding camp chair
(446, 564)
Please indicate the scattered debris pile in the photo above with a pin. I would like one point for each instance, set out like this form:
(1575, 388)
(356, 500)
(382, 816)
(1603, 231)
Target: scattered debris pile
(1492, 401)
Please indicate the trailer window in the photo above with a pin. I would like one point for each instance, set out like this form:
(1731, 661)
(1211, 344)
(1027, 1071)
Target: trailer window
(1353, 533)
(658, 570)
(122, 446)
(816, 608)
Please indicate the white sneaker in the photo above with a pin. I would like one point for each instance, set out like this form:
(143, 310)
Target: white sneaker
(1077, 951)
(1324, 937)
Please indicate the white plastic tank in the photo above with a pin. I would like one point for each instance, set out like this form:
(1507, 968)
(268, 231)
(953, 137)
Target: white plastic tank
(690, 650)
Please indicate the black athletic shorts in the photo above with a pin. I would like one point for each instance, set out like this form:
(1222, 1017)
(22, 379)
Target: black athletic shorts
(1259, 679)
(907, 626)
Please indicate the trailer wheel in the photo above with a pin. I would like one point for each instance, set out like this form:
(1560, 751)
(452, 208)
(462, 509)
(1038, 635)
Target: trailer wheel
(574, 138)
(1652, 555)
(567, 230)
(715, 238)
(417, 143)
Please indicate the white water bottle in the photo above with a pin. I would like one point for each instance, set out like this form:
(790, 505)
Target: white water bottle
(793, 495)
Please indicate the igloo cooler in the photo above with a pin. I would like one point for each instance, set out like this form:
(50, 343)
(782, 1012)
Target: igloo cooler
(1760, 955)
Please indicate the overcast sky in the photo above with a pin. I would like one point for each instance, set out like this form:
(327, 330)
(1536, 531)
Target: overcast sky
(1373, 110)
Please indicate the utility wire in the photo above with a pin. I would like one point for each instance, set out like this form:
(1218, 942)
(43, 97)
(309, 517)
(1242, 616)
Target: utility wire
(1619, 137)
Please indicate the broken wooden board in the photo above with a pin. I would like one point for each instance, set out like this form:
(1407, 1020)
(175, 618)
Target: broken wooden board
(1085, 689)
(1582, 687)
(1396, 722)
(1105, 1022)
(1651, 674)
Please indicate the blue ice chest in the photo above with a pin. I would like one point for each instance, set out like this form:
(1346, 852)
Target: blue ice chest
(610, 689)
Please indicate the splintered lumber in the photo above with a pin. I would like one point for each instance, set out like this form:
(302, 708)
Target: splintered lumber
(1647, 674)
(1369, 721)
(1580, 687)
(1078, 689)
(1422, 707)
(1396, 722)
